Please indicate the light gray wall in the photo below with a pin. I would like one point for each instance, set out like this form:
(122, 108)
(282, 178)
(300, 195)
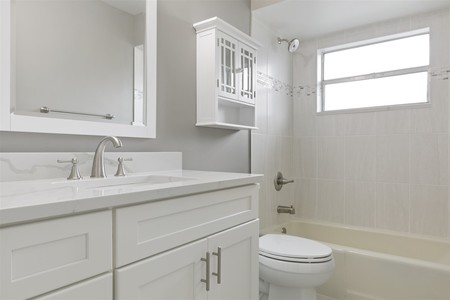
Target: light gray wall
(202, 148)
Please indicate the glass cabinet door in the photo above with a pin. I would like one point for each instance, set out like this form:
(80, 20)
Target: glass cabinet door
(227, 81)
(247, 67)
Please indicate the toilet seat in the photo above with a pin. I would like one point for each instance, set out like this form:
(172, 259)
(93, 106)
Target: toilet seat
(293, 249)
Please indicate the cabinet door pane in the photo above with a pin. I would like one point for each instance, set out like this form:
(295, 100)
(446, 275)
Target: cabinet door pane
(227, 65)
(171, 275)
(247, 80)
(239, 263)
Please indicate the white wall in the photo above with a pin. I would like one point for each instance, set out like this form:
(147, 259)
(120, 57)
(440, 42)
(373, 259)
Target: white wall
(386, 169)
(272, 144)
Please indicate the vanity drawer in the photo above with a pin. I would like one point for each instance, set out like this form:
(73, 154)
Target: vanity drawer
(39, 257)
(147, 229)
(99, 288)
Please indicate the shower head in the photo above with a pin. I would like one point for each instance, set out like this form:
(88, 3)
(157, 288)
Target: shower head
(292, 44)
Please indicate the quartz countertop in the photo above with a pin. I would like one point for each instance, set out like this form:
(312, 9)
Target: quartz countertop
(29, 200)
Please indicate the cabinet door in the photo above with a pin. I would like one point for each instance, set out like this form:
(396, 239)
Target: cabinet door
(247, 71)
(227, 53)
(175, 275)
(237, 264)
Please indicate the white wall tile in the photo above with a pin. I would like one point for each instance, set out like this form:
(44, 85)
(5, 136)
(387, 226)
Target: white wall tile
(360, 157)
(331, 156)
(396, 121)
(392, 206)
(306, 198)
(429, 210)
(360, 124)
(305, 157)
(304, 116)
(392, 158)
(331, 200)
(429, 159)
(360, 203)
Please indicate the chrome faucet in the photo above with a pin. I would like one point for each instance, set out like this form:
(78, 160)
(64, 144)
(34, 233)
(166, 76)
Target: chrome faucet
(98, 165)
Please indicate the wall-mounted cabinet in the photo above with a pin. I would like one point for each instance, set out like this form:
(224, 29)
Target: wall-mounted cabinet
(226, 76)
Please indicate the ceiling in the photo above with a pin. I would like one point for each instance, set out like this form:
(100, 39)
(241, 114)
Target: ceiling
(133, 7)
(305, 19)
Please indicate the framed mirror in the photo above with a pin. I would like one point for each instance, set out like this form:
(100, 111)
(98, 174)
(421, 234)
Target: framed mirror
(78, 67)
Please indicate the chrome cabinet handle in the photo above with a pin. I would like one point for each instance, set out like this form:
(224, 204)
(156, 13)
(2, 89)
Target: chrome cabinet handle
(207, 280)
(219, 264)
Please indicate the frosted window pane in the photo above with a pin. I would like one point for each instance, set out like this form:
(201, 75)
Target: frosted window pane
(402, 89)
(386, 56)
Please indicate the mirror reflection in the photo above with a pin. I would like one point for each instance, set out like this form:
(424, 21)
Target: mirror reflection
(81, 60)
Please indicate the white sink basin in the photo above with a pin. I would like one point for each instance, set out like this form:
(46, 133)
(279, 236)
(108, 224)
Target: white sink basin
(121, 182)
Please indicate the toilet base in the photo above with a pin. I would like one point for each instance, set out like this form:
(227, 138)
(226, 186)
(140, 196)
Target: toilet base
(286, 293)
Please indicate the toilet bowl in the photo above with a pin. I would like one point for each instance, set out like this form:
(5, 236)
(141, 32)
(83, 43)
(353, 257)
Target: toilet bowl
(291, 267)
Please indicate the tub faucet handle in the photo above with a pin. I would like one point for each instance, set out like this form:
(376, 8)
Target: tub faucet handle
(280, 181)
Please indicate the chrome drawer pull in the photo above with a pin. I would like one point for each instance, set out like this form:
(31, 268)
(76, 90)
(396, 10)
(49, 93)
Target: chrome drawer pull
(207, 280)
(219, 264)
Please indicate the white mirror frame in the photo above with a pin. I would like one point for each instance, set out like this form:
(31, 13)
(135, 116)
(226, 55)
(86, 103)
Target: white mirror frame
(22, 123)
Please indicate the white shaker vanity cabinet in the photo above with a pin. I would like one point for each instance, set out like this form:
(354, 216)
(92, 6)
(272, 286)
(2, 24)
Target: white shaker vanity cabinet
(218, 258)
(226, 76)
(192, 239)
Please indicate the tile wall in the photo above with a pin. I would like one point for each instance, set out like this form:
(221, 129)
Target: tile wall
(272, 143)
(386, 169)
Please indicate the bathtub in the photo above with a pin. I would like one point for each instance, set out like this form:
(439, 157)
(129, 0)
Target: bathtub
(379, 265)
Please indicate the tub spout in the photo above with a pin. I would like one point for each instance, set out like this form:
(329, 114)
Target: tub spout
(286, 209)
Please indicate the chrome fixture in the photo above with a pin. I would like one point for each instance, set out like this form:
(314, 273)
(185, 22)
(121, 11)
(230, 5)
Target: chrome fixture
(98, 165)
(46, 110)
(292, 44)
(207, 281)
(120, 169)
(285, 209)
(219, 265)
(74, 173)
(283, 230)
(279, 181)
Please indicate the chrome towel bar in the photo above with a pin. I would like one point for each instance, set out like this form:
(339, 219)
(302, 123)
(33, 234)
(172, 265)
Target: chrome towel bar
(46, 110)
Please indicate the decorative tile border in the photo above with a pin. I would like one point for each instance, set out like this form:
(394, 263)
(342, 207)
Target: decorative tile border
(269, 82)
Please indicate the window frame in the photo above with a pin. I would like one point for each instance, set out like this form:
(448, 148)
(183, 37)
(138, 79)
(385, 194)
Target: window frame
(321, 82)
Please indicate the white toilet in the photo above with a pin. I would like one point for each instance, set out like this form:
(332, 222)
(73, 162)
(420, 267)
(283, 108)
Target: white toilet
(291, 267)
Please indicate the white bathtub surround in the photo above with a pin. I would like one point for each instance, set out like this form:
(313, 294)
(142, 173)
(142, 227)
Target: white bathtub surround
(379, 169)
(272, 143)
(379, 264)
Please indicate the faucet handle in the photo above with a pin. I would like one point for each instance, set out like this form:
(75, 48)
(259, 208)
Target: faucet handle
(120, 169)
(74, 173)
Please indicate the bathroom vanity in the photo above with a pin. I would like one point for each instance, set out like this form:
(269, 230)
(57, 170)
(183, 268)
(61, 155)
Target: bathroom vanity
(160, 234)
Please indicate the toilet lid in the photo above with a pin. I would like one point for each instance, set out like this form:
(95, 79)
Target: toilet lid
(294, 247)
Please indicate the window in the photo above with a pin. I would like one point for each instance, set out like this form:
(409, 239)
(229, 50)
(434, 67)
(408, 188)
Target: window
(381, 72)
